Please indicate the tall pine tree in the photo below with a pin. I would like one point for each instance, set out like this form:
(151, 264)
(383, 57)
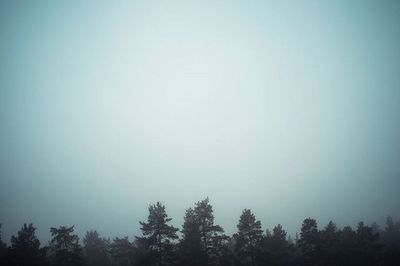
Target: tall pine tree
(157, 234)
(248, 238)
(65, 247)
(212, 236)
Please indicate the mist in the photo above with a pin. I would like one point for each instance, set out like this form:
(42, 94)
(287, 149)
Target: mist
(289, 109)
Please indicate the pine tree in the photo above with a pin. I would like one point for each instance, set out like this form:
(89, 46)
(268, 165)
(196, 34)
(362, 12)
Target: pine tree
(96, 249)
(157, 234)
(122, 251)
(191, 251)
(25, 248)
(309, 242)
(3, 248)
(277, 249)
(329, 244)
(248, 238)
(212, 236)
(65, 246)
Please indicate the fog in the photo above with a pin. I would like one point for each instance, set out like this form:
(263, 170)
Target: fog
(289, 109)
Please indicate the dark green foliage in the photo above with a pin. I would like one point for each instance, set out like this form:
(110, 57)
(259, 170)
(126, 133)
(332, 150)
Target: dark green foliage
(204, 243)
(276, 248)
(158, 235)
(122, 251)
(309, 242)
(191, 252)
(3, 248)
(211, 235)
(248, 239)
(367, 246)
(64, 247)
(96, 249)
(329, 238)
(391, 238)
(25, 249)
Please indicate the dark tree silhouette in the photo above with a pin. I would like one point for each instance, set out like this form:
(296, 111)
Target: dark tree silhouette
(391, 238)
(277, 249)
(122, 251)
(158, 235)
(204, 244)
(65, 247)
(248, 239)
(25, 248)
(191, 250)
(3, 248)
(212, 237)
(96, 249)
(329, 238)
(309, 242)
(367, 246)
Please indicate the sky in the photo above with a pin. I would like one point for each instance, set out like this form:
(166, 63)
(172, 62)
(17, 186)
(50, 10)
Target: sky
(289, 108)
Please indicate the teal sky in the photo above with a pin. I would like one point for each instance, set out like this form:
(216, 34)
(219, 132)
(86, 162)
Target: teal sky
(290, 109)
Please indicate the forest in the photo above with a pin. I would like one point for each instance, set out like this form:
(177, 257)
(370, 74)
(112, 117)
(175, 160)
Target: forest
(201, 242)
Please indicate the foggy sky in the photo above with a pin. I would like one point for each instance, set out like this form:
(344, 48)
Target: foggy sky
(289, 109)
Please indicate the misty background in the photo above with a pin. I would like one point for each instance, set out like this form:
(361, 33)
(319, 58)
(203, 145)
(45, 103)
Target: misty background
(289, 109)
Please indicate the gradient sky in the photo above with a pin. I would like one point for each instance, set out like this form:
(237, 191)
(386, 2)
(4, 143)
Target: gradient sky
(289, 109)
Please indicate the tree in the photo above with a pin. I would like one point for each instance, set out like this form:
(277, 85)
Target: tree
(346, 247)
(3, 248)
(248, 238)
(211, 235)
(191, 252)
(65, 246)
(391, 238)
(309, 242)
(157, 234)
(96, 249)
(277, 249)
(367, 246)
(122, 251)
(329, 237)
(25, 248)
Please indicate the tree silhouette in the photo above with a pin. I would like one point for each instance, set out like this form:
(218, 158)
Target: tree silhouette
(329, 238)
(211, 235)
(3, 248)
(96, 249)
(25, 248)
(204, 244)
(277, 249)
(65, 247)
(122, 251)
(157, 234)
(191, 251)
(391, 238)
(248, 238)
(367, 246)
(309, 242)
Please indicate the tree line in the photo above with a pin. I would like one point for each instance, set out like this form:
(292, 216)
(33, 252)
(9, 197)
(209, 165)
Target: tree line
(202, 243)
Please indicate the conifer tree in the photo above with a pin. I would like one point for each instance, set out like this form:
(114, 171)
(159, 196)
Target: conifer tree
(157, 234)
(309, 242)
(191, 251)
(212, 236)
(96, 249)
(25, 249)
(65, 246)
(248, 238)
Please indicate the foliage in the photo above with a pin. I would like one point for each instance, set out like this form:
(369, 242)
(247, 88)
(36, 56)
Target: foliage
(25, 248)
(65, 247)
(248, 238)
(203, 243)
(158, 235)
(96, 249)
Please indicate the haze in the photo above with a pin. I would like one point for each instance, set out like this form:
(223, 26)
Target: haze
(289, 109)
